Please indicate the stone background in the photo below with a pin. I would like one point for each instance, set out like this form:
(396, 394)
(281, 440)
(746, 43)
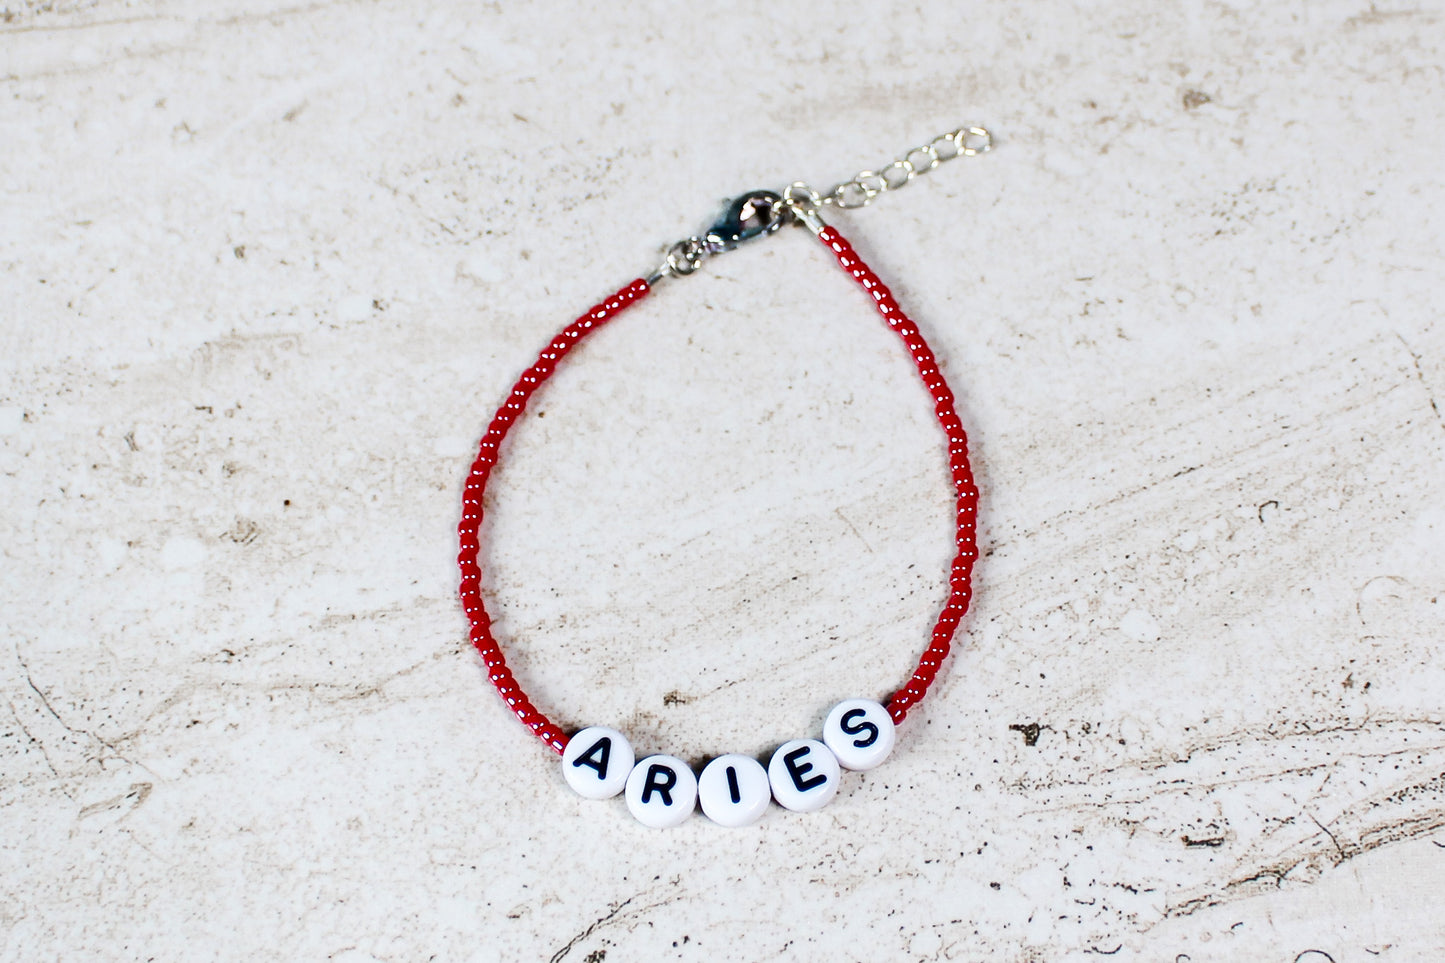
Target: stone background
(267, 268)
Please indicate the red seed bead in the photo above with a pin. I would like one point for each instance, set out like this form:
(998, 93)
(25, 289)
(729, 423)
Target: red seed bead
(960, 591)
(468, 536)
(960, 573)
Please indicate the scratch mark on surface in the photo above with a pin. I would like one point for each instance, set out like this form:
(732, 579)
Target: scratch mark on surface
(1338, 848)
(1206, 785)
(1375, 17)
(59, 27)
(1213, 842)
(25, 669)
(135, 795)
(44, 753)
(1420, 376)
(853, 528)
(604, 920)
(612, 917)
(36, 689)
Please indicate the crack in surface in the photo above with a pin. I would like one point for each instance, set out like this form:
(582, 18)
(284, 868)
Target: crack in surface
(612, 917)
(85, 733)
(1420, 376)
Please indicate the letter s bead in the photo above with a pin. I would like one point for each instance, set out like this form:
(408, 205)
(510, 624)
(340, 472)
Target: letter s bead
(860, 733)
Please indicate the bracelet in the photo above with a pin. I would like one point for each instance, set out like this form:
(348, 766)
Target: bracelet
(802, 774)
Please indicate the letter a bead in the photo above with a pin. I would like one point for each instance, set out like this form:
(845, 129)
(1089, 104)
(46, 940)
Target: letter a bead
(860, 733)
(597, 761)
(661, 791)
(734, 790)
(804, 775)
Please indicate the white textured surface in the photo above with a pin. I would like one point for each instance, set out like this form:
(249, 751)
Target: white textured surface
(266, 269)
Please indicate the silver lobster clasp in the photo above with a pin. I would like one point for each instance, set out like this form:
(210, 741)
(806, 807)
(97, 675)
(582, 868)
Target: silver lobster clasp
(746, 217)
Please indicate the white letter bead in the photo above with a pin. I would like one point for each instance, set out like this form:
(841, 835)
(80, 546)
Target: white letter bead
(860, 733)
(734, 790)
(597, 761)
(661, 791)
(804, 775)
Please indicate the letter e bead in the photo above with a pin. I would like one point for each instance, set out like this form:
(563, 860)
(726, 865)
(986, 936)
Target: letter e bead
(804, 775)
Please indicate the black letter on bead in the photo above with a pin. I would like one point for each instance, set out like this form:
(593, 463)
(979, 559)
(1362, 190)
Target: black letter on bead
(734, 793)
(602, 750)
(798, 772)
(660, 779)
(846, 723)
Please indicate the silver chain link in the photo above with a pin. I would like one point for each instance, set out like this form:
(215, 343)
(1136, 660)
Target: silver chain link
(866, 185)
(762, 212)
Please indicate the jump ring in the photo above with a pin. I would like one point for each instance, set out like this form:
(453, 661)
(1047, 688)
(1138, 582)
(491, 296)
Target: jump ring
(949, 140)
(906, 173)
(927, 151)
(685, 257)
(974, 140)
(872, 182)
(850, 194)
(799, 193)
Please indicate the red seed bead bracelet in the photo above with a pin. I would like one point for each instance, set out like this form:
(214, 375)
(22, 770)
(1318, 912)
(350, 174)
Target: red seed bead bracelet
(802, 774)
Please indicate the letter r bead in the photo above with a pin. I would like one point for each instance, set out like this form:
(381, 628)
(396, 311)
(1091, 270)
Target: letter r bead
(803, 774)
(661, 791)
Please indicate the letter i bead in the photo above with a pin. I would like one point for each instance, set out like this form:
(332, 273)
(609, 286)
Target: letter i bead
(734, 790)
